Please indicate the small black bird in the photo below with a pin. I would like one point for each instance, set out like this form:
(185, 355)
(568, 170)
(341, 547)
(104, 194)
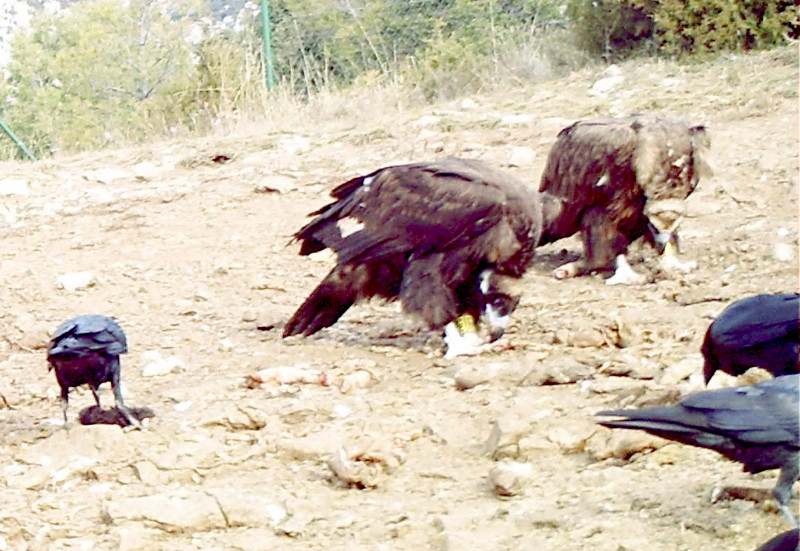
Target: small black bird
(757, 331)
(85, 351)
(787, 541)
(755, 425)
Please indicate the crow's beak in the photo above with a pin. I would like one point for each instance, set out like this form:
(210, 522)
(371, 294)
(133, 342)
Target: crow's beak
(708, 371)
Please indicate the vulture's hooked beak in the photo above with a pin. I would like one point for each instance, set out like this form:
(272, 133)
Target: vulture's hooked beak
(665, 241)
(500, 297)
(498, 309)
(498, 322)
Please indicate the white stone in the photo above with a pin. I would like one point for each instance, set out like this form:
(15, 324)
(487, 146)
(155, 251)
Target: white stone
(295, 145)
(514, 120)
(156, 364)
(189, 511)
(276, 183)
(612, 78)
(14, 186)
(427, 120)
(75, 281)
(682, 370)
(248, 508)
(105, 175)
(783, 252)
(521, 156)
(146, 171)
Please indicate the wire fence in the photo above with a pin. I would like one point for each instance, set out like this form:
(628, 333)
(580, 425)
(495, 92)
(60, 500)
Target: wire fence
(110, 72)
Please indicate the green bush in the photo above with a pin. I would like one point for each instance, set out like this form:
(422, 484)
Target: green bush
(322, 43)
(696, 26)
(611, 29)
(101, 73)
(447, 68)
(618, 28)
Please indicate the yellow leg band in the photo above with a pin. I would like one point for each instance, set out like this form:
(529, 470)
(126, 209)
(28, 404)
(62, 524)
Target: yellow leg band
(466, 324)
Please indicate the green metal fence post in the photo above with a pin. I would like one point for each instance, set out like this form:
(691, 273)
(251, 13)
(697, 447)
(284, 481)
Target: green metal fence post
(4, 127)
(266, 39)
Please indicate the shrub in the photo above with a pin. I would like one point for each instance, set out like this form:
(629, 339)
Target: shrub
(618, 28)
(611, 29)
(696, 26)
(101, 72)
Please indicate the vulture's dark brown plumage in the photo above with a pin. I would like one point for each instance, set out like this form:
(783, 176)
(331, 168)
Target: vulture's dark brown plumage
(602, 174)
(436, 236)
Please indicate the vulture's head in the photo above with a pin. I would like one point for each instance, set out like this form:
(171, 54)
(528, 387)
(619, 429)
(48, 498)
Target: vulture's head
(664, 217)
(500, 296)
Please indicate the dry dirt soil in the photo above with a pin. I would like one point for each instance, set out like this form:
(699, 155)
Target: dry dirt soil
(367, 438)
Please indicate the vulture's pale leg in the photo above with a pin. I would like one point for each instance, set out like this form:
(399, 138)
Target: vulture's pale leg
(461, 338)
(624, 274)
(671, 263)
(568, 270)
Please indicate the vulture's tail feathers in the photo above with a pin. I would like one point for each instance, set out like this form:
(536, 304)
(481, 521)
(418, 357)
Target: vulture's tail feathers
(329, 301)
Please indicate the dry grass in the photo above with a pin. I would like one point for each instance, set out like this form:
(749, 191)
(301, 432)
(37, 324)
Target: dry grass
(734, 85)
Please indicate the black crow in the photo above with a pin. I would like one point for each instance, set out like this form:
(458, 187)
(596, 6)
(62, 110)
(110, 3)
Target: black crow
(757, 331)
(787, 541)
(85, 351)
(755, 425)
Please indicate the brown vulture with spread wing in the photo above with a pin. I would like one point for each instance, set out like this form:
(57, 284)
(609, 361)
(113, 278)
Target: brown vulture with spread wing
(441, 237)
(606, 178)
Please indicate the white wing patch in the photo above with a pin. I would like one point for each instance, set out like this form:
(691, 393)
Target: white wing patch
(348, 226)
(367, 182)
(485, 281)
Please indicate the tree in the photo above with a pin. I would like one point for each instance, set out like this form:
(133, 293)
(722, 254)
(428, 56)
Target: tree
(101, 72)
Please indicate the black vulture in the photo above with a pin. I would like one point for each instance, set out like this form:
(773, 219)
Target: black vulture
(85, 350)
(606, 178)
(754, 425)
(445, 238)
(757, 331)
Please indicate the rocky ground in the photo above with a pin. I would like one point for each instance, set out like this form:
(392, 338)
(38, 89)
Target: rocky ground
(363, 436)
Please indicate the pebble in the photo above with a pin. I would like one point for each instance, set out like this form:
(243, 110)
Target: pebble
(682, 370)
(75, 281)
(608, 83)
(186, 510)
(155, 364)
(621, 444)
(509, 478)
(521, 156)
(275, 183)
(357, 380)
(105, 175)
(14, 186)
(784, 252)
